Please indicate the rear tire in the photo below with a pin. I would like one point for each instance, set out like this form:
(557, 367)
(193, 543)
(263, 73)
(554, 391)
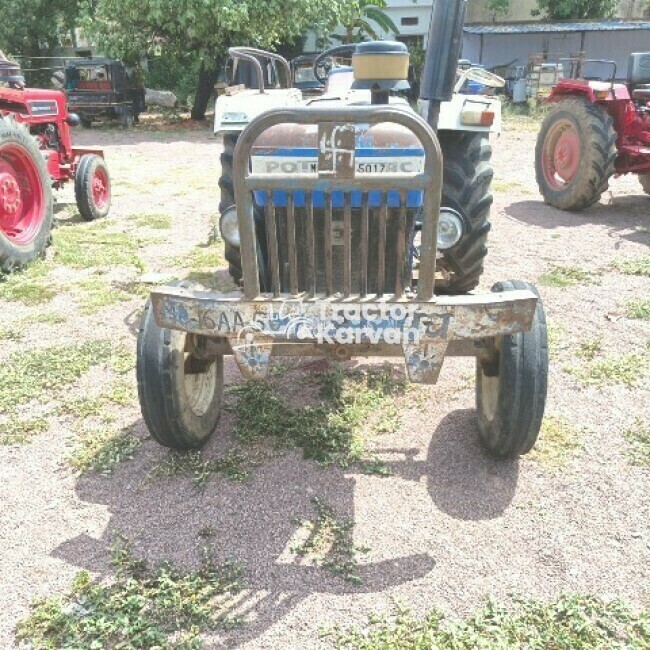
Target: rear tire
(467, 179)
(92, 187)
(180, 394)
(510, 399)
(644, 179)
(575, 154)
(26, 204)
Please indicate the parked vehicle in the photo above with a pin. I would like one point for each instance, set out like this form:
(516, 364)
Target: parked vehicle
(595, 130)
(329, 205)
(36, 155)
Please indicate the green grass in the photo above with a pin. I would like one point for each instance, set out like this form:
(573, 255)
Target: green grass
(558, 443)
(355, 406)
(523, 117)
(87, 246)
(638, 438)
(29, 286)
(566, 276)
(509, 187)
(43, 373)
(634, 265)
(97, 293)
(572, 622)
(234, 466)
(139, 608)
(627, 369)
(589, 348)
(102, 450)
(16, 431)
(330, 543)
(638, 309)
(121, 393)
(153, 221)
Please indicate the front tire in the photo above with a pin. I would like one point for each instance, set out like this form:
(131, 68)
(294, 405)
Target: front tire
(227, 200)
(180, 394)
(575, 154)
(644, 179)
(511, 394)
(92, 187)
(26, 204)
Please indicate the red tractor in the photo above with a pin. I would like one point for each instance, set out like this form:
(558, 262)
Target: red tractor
(594, 131)
(36, 155)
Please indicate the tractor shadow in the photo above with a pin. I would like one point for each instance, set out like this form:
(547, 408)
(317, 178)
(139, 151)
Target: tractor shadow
(255, 521)
(625, 218)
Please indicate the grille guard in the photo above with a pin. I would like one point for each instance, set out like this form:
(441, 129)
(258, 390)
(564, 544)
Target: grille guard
(423, 328)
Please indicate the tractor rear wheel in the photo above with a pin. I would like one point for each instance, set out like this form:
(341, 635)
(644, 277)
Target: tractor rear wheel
(92, 187)
(645, 182)
(180, 392)
(227, 200)
(467, 179)
(575, 154)
(26, 205)
(511, 392)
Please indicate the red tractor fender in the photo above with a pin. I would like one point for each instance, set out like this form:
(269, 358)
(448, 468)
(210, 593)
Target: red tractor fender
(596, 92)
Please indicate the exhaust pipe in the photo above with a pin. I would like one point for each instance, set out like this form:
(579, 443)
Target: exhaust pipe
(443, 51)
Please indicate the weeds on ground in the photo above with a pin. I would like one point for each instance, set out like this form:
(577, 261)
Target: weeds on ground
(97, 293)
(567, 276)
(634, 265)
(330, 543)
(572, 622)
(29, 286)
(638, 438)
(121, 393)
(41, 373)
(509, 187)
(140, 607)
(333, 432)
(16, 431)
(558, 340)
(638, 309)
(102, 450)
(153, 221)
(627, 369)
(558, 443)
(524, 117)
(589, 348)
(234, 466)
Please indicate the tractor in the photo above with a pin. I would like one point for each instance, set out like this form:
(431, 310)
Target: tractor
(353, 238)
(36, 156)
(595, 130)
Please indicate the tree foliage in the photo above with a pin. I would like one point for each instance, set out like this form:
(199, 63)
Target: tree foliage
(360, 19)
(576, 9)
(498, 7)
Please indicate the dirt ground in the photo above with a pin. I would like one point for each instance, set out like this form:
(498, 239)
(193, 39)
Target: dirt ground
(446, 529)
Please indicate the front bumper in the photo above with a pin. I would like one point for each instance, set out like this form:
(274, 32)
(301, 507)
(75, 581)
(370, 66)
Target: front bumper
(421, 331)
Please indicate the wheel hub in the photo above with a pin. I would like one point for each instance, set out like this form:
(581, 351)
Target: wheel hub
(10, 199)
(100, 189)
(561, 159)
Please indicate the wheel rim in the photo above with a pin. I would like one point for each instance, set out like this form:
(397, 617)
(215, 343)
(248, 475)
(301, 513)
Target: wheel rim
(200, 387)
(561, 155)
(100, 189)
(22, 204)
(490, 391)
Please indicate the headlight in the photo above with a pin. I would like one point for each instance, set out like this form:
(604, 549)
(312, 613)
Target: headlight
(229, 226)
(451, 228)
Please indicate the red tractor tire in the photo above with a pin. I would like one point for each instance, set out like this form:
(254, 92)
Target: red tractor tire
(26, 204)
(575, 154)
(92, 187)
(645, 182)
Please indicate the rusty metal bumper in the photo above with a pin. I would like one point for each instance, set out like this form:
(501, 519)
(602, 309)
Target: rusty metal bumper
(423, 332)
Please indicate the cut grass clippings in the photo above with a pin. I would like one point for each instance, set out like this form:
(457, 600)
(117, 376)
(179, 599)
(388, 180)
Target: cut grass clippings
(572, 622)
(330, 543)
(139, 608)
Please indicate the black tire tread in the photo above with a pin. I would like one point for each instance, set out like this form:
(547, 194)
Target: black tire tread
(644, 179)
(467, 179)
(598, 156)
(83, 187)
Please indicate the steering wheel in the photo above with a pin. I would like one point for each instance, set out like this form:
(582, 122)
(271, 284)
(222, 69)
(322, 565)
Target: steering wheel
(339, 50)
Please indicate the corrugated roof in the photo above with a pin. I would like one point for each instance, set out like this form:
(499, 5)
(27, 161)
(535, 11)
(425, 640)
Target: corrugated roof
(554, 27)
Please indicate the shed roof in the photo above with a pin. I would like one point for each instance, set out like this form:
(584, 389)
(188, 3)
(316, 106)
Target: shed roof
(558, 27)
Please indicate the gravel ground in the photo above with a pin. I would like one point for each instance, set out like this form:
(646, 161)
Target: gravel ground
(447, 528)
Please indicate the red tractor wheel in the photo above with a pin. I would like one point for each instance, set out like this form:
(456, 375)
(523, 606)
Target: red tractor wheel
(645, 182)
(92, 187)
(26, 206)
(575, 154)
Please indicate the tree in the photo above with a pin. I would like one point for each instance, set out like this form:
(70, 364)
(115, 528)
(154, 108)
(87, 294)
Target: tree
(576, 9)
(202, 30)
(358, 16)
(498, 7)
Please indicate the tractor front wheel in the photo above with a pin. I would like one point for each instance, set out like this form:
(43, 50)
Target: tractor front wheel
(180, 391)
(645, 182)
(26, 205)
(92, 187)
(575, 154)
(511, 389)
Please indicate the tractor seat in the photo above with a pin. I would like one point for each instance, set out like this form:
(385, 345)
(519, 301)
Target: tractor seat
(642, 93)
